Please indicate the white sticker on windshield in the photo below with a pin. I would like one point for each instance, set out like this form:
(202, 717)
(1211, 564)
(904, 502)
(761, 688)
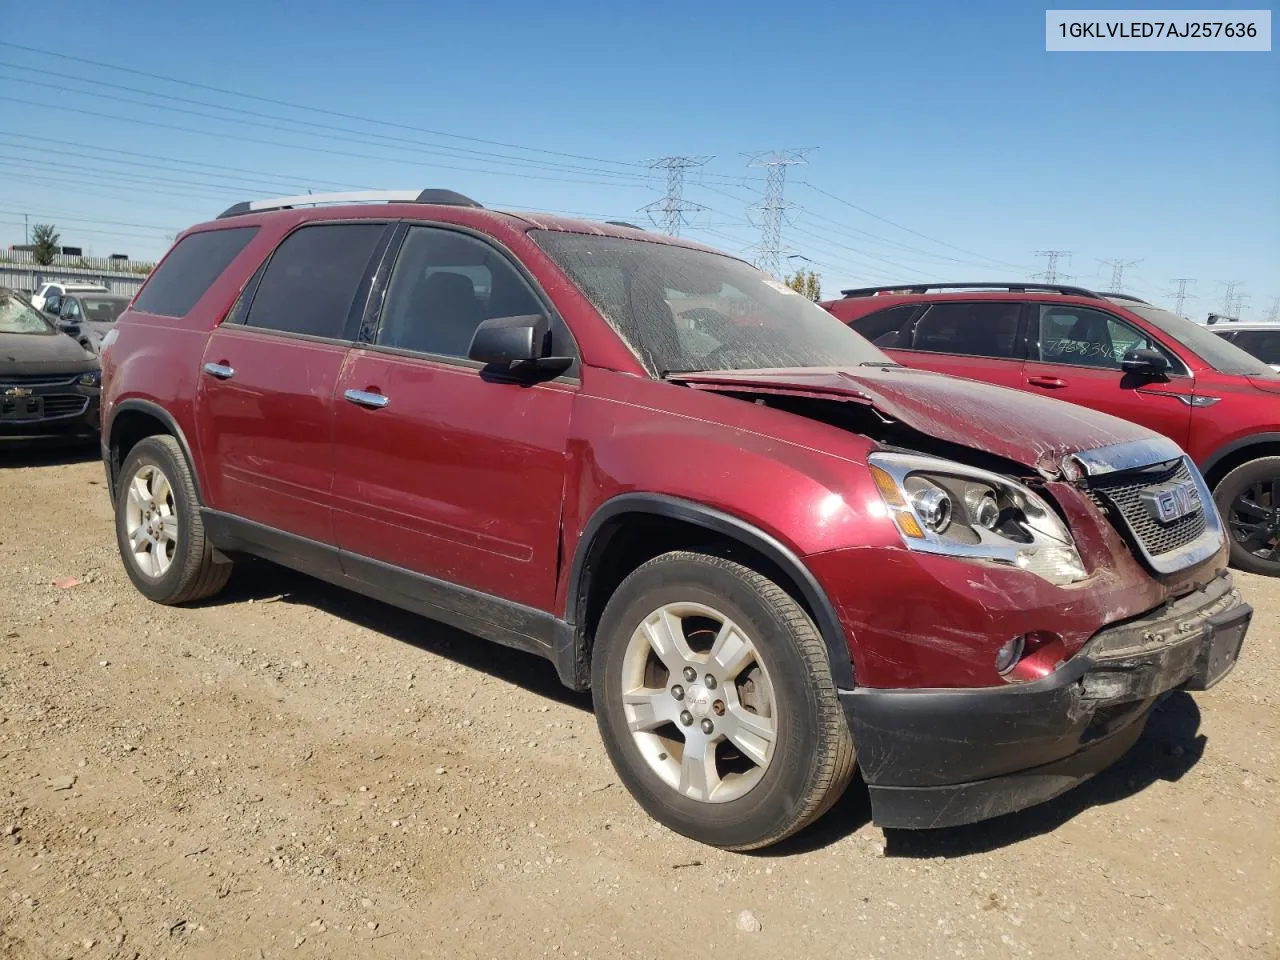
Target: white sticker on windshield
(780, 287)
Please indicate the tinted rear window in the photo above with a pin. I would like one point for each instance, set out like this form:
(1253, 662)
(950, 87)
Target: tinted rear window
(190, 269)
(1263, 344)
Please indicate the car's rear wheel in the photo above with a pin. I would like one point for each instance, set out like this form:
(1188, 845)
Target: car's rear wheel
(1249, 500)
(159, 528)
(715, 701)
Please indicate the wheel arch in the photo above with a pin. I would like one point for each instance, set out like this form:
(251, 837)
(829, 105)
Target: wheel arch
(136, 419)
(635, 527)
(1229, 456)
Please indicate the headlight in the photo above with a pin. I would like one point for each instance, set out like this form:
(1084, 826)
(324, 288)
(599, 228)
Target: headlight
(91, 379)
(958, 511)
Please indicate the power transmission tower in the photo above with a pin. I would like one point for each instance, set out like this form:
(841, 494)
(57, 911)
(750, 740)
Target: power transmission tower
(670, 210)
(1050, 272)
(1240, 299)
(1274, 315)
(1228, 298)
(1180, 296)
(1117, 272)
(773, 207)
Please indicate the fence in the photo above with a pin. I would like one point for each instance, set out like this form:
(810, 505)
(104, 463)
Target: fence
(27, 258)
(22, 277)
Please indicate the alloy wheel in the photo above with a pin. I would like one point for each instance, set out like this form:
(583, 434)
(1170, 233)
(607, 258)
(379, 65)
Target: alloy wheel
(1254, 519)
(151, 521)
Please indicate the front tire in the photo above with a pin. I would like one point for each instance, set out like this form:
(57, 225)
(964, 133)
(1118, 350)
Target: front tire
(1249, 500)
(159, 529)
(715, 701)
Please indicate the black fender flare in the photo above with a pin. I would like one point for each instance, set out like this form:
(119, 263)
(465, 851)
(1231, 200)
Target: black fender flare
(160, 413)
(734, 528)
(1235, 446)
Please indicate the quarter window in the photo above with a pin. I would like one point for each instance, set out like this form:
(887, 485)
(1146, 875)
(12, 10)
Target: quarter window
(190, 269)
(312, 278)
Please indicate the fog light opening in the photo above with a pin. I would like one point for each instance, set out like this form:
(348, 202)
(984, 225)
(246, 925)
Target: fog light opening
(1041, 653)
(1009, 654)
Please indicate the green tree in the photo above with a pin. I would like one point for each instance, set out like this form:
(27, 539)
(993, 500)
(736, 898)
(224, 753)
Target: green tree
(807, 283)
(46, 243)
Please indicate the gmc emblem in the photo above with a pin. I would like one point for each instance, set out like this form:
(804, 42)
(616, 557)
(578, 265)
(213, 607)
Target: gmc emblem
(1170, 501)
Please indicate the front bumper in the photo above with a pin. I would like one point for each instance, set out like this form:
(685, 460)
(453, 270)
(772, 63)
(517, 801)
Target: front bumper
(67, 408)
(942, 757)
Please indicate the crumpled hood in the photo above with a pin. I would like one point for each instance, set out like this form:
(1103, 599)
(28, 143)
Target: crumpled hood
(1028, 429)
(22, 353)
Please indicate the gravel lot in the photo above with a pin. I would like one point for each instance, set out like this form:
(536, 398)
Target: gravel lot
(290, 770)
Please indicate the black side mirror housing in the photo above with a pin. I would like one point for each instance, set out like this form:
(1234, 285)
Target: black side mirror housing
(69, 327)
(1145, 362)
(516, 344)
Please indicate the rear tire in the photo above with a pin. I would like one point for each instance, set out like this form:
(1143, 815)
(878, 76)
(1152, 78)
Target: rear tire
(763, 746)
(159, 529)
(1249, 500)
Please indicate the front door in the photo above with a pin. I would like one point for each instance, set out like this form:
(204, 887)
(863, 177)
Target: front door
(1075, 356)
(443, 468)
(267, 379)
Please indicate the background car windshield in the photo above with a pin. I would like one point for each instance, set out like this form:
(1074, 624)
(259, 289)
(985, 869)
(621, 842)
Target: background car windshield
(682, 309)
(1218, 353)
(103, 309)
(17, 317)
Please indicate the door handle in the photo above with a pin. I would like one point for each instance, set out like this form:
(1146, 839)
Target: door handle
(219, 370)
(1049, 383)
(365, 398)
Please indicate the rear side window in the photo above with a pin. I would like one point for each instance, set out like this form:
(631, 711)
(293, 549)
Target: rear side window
(889, 329)
(312, 278)
(969, 328)
(190, 269)
(1263, 344)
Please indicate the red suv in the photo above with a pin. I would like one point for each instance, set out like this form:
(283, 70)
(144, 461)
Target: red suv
(764, 547)
(1114, 353)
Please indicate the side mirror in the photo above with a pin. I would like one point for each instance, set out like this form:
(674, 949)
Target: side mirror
(516, 344)
(69, 327)
(1144, 362)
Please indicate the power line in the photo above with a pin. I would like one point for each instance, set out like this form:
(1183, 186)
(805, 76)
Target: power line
(1180, 295)
(772, 207)
(1117, 272)
(673, 206)
(1275, 310)
(1050, 272)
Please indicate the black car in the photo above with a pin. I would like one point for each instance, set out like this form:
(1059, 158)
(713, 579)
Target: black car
(86, 316)
(49, 383)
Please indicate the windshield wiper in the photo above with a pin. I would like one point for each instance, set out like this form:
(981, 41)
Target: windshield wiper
(879, 363)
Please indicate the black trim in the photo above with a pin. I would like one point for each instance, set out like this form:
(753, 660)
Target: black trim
(486, 616)
(1234, 446)
(828, 623)
(161, 414)
(916, 288)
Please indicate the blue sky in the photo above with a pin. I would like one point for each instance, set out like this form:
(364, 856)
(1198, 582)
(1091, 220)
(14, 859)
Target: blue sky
(948, 143)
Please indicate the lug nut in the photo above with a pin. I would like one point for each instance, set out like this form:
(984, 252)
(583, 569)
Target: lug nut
(678, 692)
(718, 707)
(686, 717)
(711, 682)
(707, 726)
(690, 674)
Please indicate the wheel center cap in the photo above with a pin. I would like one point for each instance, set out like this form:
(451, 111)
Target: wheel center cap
(698, 697)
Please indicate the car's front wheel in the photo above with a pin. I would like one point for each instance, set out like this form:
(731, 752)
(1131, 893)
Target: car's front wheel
(715, 700)
(159, 528)
(1249, 500)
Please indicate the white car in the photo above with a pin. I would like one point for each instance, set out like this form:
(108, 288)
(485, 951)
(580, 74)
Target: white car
(1260, 339)
(59, 288)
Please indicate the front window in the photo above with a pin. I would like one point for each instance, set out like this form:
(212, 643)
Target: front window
(17, 317)
(682, 309)
(1212, 349)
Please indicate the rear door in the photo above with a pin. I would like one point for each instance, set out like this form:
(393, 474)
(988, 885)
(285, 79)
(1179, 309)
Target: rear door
(1075, 356)
(976, 339)
(268, 375)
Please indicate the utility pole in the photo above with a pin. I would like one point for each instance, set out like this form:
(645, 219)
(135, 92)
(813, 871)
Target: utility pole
(670, 210)
(1180, 295)
(1050, 272)
(1117, 272)
(26, 230)
(772, 208)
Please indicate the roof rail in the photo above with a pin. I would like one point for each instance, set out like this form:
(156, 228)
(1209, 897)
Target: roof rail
(443, 197)
(1123, 296)
(1010, 287)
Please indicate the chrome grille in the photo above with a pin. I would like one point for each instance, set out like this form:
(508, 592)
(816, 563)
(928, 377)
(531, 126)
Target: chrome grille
(64, 405)
(38, 379)
(1120, 493)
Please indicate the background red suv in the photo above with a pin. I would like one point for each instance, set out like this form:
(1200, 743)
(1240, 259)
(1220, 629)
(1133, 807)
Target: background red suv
(755, 539)
(1111, 352)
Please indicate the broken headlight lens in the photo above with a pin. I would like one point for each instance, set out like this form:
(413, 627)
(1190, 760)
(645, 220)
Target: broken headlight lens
(987, 516)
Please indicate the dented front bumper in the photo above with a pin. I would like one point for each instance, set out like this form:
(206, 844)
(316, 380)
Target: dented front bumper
(941, 757)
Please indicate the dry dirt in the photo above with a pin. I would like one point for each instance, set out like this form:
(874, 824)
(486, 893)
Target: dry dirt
(290, 770)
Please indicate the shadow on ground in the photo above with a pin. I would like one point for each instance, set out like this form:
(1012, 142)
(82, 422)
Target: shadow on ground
(1169, 747)
(260, 581)
(47, 451)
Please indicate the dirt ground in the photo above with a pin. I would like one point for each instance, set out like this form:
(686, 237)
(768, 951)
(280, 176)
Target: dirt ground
(290, 770)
